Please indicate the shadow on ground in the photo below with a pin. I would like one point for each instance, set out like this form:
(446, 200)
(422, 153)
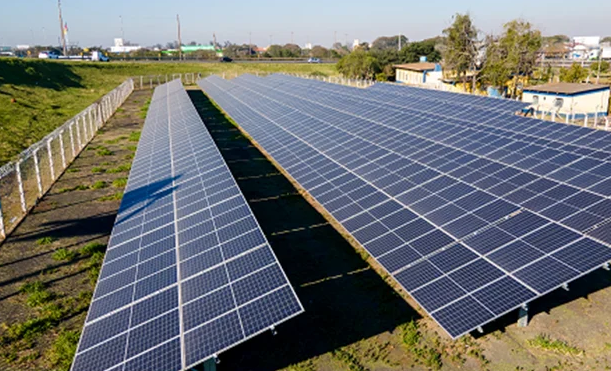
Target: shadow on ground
(344, 299)
(36, 73)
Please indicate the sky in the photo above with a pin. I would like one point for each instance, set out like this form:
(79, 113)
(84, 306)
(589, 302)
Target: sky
(148, 22)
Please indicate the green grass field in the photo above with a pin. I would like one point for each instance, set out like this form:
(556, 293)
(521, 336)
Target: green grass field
(38, 96)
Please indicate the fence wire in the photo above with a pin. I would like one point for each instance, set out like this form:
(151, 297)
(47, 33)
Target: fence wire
(25, 181)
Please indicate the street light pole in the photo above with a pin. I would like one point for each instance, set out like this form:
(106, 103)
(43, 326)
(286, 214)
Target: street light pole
(61, 27)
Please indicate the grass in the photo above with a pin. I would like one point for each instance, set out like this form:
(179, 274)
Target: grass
(144, 109)
(73, 170)
(113, 197)
(45, 240)
(410, 334)
(545, 342)
(80, 187)
(134, 136)
(64, 254)
(92, 248)
(132, 148)
(119, 182)
(98, 170)
(48, 93)
(63, 350)
(103, 151)
(99, 185)
(120, 169)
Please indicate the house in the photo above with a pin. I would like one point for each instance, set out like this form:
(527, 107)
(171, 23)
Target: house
(121, 47)
(574, 100)
(418, 73)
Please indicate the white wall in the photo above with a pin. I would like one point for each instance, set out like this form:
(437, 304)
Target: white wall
(580, 105)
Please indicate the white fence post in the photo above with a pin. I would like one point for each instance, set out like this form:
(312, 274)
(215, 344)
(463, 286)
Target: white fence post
(62, 151)
(72, 140)
(20, 185)
(2, 231)
(90, 117)
(141, 78)
(38, 178)
(78, 136)
(50, 153)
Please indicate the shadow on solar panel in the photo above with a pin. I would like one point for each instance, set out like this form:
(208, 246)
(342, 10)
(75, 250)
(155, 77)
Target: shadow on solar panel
(188, 272)
(473, 217)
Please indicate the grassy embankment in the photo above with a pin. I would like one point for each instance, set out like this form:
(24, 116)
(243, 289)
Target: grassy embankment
(38, 96)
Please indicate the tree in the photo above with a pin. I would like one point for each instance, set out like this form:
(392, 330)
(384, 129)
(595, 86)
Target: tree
(319, 52)
(606, 39)
(359, 64)
(576, 73)
(602, 66)
(413, 51)
(555, 39)
(388, 42)
(192, 43)
(460, 52)
(291, 51)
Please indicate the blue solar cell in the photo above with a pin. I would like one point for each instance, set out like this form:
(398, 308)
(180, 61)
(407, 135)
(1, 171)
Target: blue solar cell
(437, 294)
(514, 255)
(584, 255)
(546, 274)
(503, 295)
(418, 275)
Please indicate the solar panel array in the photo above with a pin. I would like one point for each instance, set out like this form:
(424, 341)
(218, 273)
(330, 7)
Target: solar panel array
(188, 272)
(473, 216)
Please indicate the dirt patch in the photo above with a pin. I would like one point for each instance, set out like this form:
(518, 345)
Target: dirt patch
(48, 247)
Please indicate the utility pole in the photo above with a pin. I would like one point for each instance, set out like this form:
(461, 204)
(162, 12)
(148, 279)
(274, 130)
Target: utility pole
(179, 39)
(122, 32)
(399, 42)
(271, 40)
(61, 27)
(292, 37)
(334, 38)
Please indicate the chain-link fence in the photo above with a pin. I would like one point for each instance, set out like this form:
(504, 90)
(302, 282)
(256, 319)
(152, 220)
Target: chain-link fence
(153, 81)
(24, 181)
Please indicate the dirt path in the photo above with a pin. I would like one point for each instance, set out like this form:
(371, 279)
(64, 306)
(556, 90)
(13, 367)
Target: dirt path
(60, 245)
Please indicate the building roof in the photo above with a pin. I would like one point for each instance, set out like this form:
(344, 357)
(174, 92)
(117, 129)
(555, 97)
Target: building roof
(422, 66)
(566, 88)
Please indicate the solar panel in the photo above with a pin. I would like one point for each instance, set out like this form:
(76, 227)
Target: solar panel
(470, 234)
(188, 272)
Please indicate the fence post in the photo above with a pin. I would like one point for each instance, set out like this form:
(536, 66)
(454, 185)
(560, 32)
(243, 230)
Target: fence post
(141, 78)
(78, 136)
(2, 232)
(50, 153)
(85, 134)
(61, 149)
(91, 126)
(151, 81)
(20, 185)
(38, 178)
(72, 141)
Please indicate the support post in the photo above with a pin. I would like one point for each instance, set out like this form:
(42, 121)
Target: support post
(62, 151)
(38, 178)
(72, 141)
(20, 185)
(2, 231)
(607, 266)
(523, 316)
(85, 133)
(50, 153)
(141, 81)
(151, 82)
(565, 287)
(91, 125)
(78, 136)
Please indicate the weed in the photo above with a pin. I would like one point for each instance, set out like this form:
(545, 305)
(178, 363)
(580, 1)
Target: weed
(120, 110)
(95, 263)
(144, 109)
(93, 247)
(120, 169)
(9, 356)
(63, 349)
(543, 341)
(119, 182)
(98, 169)
(29, 357)
(64, 255)
(103, 151)
(112, 141)
(99, 185)
(113, 197)
(73, 170)
(39, 298)
(410, 334)
(129, 156)
(134, 136)
(45, 240)
(132, 148)
(348, 359)
(31, 287)
(106, 163)
(122, 137)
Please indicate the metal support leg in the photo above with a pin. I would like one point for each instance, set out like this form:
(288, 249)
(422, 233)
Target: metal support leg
(565, 287)
(480, 330)
(523, 316)
(607, 266)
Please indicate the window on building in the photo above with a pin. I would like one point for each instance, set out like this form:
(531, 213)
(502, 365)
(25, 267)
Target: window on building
(558, 102)
(535, 99)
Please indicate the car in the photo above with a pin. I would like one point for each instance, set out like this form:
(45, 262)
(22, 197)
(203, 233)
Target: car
(314, 60)
(225, 59)
(48, 55)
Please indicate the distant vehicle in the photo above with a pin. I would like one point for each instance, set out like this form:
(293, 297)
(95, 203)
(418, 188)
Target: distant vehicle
(225, 59)
(97, 56)
(314, 60)
(48, 55)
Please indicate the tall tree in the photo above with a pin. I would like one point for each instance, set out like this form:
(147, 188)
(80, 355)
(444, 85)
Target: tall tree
(388, 42)
(606, 39)
(576, 73)
(319, 52)
(461, 47)
(359, 64)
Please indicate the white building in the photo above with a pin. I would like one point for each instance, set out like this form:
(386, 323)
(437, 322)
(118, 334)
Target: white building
(575, 100)
(119, 47)
(422, 73)
(356, 43)
(308, 46)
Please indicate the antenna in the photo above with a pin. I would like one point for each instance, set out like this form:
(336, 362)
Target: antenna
(179, 39)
